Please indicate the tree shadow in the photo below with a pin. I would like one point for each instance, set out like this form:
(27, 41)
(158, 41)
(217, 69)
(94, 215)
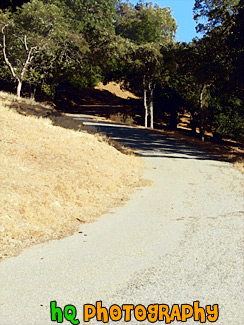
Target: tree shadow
(96, 102)
(149, 143)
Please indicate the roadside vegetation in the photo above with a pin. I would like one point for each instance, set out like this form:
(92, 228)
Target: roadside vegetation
(53, 179)
(49, 45)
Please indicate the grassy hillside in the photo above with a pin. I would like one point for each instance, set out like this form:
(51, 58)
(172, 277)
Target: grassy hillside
(53, 179)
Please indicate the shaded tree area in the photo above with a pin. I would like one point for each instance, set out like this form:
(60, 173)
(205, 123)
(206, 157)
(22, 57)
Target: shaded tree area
(223, 40)
(45, 44)
(150, 31)
(49, 45)
(12, 4)
(208, 81)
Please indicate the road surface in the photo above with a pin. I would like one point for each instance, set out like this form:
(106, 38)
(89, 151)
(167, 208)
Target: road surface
(175, 242)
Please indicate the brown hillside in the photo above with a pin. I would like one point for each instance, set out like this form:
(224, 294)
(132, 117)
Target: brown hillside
(52, 179)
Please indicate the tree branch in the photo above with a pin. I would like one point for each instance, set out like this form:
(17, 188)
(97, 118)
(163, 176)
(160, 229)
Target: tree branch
(27, 61)
(5, 54)
(25, 42)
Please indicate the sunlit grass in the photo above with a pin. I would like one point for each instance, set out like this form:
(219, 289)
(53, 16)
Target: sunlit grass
(54, 178)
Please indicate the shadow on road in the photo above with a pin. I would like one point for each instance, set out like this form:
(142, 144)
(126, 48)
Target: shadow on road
(146, 143)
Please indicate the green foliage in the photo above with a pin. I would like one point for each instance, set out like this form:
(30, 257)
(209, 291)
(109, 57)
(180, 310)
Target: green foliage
(57, 49)
(145, 23)
(146, 30)
(214, 13)
(228, 116)
(82, 42)
(89, 17)
(150, 29)
(210, 70)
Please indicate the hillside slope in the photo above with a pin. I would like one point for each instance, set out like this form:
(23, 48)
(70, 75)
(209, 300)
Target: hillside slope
(53, 179)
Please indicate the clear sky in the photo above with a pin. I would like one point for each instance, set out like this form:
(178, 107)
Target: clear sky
(182, 12)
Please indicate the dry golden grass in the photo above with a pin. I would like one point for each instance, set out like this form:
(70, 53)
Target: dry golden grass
(240, 165)
(26, 106)
(52, 179)
(116, 89)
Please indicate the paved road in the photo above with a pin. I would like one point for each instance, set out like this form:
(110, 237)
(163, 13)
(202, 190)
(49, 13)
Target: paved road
(175, 242)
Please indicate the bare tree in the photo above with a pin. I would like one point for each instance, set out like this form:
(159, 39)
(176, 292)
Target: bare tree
(29, 56)
(148, 87)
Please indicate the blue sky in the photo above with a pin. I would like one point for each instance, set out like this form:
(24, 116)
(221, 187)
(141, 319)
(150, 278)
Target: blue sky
(182, 12)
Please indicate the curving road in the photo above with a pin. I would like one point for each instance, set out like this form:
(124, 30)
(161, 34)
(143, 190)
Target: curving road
(175, 242)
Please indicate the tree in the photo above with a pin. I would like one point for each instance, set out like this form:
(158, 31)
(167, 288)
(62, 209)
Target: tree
(36, 40)
(148, 61)
(145, 23)
(94, 20)
(88, 16)
(18, 75)
(149, 28)
(215, 13)
(224, 45)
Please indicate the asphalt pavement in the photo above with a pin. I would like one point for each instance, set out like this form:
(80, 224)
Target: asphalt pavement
(176, 242)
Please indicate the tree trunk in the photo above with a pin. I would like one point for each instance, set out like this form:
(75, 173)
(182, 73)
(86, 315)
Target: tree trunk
(19, 88)
(145, 100)
(32, 92)
(145, 107)
(151, 88)
(202, 117)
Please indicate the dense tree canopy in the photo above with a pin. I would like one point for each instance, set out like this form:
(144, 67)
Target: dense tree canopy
(215, 13)
(37, 41)
(47, 43)
(225, 47)
(145, 23)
